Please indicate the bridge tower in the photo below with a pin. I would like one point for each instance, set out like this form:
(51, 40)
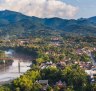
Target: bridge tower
(19, 66)
(4, 66)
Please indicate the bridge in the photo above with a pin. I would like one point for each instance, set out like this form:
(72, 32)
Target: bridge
(6, 59)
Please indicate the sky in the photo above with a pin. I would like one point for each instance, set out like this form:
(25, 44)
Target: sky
(52, 8)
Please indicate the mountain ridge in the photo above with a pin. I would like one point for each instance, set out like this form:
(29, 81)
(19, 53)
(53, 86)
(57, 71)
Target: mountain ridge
(15, 22)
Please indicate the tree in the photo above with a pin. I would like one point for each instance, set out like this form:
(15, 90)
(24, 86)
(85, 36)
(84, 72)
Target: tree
(52, 74)
(74, 76)
(69, 89)
(85, 58)
(36, 87)
(94, 87)
(56, 88)
(39, 60)
(4, 88)
(26, 81)
(2, 54)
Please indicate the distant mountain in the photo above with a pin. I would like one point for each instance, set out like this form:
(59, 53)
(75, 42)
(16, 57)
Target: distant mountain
(17, 24)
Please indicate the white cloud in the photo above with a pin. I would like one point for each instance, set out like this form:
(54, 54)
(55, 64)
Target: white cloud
(40, 8)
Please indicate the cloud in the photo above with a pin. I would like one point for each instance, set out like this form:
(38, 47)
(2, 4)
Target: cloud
(40, 8)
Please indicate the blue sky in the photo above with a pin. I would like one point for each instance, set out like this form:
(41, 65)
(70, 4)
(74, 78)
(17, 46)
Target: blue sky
(52, 8)
(87, 8)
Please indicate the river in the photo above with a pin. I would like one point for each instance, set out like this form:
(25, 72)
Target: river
(11, 72)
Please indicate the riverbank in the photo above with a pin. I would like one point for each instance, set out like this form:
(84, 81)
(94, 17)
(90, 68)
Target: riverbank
(7, 63)
(11, 70)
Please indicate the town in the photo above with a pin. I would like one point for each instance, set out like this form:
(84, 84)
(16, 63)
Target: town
(56, 56)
